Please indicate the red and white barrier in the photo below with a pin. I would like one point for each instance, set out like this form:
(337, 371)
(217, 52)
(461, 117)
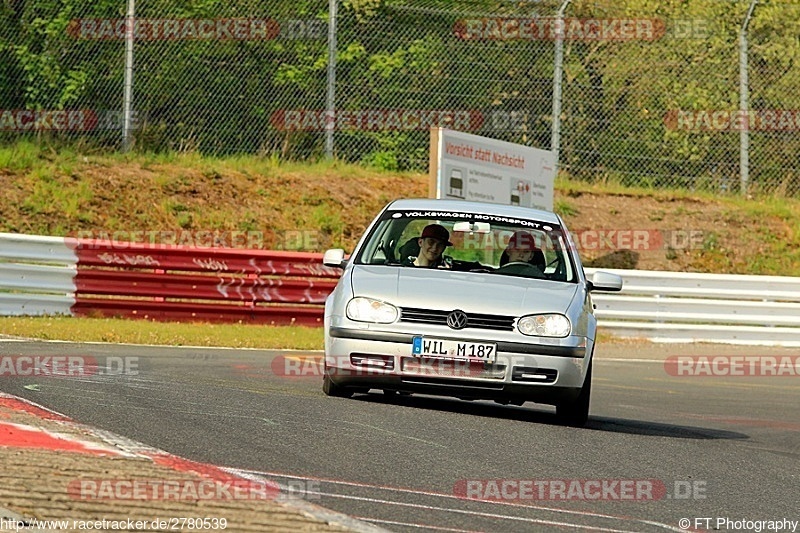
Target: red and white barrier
(52, 275)
(49, 275)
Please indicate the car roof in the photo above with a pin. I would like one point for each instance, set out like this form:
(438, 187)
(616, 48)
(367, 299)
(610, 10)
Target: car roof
(430, 204)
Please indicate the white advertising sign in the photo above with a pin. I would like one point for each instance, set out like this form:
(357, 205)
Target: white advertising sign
(480, 169)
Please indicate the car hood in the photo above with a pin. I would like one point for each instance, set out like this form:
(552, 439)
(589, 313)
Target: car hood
(468, 291)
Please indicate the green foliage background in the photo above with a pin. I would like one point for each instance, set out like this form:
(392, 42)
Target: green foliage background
(221, 96)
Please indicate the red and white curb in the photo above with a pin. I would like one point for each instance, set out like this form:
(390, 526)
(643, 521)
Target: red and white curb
(117, 445)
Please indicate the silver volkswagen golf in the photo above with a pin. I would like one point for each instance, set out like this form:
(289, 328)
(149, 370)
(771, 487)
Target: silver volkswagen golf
(471, 300)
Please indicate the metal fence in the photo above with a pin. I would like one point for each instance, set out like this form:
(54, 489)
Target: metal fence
(698, 95)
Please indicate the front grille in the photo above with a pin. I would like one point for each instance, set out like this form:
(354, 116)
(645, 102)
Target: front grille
(474, 320)
(451, 368)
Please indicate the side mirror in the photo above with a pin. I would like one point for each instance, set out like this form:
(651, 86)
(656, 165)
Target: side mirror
(334, 258)
(605, 281)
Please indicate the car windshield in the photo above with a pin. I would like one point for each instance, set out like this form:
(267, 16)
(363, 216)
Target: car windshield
(469, 242)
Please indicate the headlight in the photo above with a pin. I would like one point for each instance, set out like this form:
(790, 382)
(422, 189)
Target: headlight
(369, 310)
(544, 325)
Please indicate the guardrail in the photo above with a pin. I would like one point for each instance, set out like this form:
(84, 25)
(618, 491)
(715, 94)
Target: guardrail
(51, 275)
(691, 307)
(87, 277)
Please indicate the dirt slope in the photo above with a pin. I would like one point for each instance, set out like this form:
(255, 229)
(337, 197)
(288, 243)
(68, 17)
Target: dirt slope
(314, 207)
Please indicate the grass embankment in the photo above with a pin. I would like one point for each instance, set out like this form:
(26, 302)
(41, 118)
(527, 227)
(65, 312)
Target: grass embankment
(161, 333)
(314, 206)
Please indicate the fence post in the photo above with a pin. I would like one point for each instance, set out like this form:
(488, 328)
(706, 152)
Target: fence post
(555, 140)
(330, 100)
(744, 133)
(127, 96)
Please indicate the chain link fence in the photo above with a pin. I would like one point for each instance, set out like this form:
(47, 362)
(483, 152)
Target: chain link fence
(651, 92)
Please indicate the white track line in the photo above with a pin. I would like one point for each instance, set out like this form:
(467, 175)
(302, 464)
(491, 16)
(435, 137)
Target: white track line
(420, 526)
(423, 526)
(454, 497)
(494, 516)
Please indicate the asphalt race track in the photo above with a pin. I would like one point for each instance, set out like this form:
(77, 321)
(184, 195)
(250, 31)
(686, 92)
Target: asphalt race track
(696, 447)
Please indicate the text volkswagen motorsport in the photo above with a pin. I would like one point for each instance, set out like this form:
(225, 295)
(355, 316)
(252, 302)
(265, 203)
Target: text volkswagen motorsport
(472, 300)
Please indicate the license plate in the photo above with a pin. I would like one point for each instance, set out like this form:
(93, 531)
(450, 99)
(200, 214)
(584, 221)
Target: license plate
(471, 351)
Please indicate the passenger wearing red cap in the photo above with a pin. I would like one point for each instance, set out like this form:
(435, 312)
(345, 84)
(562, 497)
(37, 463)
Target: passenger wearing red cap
(432, 242)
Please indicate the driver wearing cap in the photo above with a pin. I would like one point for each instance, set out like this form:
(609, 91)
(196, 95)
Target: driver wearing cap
(432, 242)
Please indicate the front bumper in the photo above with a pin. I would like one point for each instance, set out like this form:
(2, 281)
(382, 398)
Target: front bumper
(542, 373)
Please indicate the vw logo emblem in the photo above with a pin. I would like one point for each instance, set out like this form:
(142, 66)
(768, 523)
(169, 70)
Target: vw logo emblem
(457, 319)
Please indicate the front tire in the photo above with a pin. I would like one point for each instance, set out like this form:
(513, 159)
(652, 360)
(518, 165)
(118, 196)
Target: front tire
(575, 413)
(332, 389)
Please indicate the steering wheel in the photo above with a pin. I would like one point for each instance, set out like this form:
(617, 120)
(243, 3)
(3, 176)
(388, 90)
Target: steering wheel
(515, 263)
(521, 268)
